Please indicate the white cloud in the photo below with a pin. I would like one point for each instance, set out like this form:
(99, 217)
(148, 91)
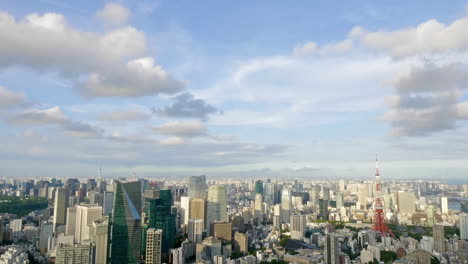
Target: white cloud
(429, 37)
(138, 78)
(313, 48)
(9, 98)
(55, 116)
(97, 64)
(124, 115)
(182, 129)
(114, 14)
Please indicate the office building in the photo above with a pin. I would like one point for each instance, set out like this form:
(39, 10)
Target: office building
(406, 202)
(339, 200)
(107, 203)
(153, 246)
(198, 210)
(85, 215)
(75, 254)
(331, 249)
(241, 242)
(125, 239)
(464, 226)
(195, 231)
(258, 187)
(363, 193)
(439, 238)
(216, 205)
(197, 187)
(223, 231)
(258, 208)
(60, 207)
(161, 216)
(444, 204)
(298, 226)
(286, 205)
(314, 194)
(184, 210)
(98, 234)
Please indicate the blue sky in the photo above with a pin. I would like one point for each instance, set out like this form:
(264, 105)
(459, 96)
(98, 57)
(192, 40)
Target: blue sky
(239, 88)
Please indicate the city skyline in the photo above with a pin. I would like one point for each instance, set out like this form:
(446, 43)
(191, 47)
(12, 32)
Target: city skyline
(245, 89)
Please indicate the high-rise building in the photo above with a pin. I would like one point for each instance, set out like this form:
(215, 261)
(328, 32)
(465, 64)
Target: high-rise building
(241, 242)
(339, 200)
(153, 246)
(198, 210)
(223, 231)
(331, 249)
(430, 215)
(464, 206)
(74, 254)
(195, 231)
(60, 207)
(258, 187)
(107, 203)
(258, 207)
(363, 193)
(161, 216)
(197, 186)
(406, 202)
(444, 204)
(85, 215)
(71, 221)
(464, 226)
(323, 206)
(184, 210)
(98, 234)
(298, 226)
(439, 238)
(269, 192)
(213, 247)
(46, 231)
(286, 205)
(125, 238)
(216, 205)
(314, 194)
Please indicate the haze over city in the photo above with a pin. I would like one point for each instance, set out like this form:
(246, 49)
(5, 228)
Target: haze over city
(251, 89)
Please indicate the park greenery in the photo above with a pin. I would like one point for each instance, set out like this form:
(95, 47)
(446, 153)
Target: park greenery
(22, 206)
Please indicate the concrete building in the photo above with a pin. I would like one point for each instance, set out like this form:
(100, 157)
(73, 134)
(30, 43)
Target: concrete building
(76, 254)
(222, 230)
(216, 205)
(439, 238)
(444, 204)
(298, 226)
(60, 207)
(198, 210)
(184, 210)
(71, 221)
(331, 249)
(98, 234)
(464, 226)
(85, 215)
(153, 246)
(241, 242)
(406, 202)
(195, 231)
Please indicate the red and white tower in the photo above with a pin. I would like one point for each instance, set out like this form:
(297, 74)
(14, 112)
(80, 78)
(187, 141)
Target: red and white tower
(379, 218)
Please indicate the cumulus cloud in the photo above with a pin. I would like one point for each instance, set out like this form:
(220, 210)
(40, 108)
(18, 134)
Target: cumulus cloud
(124, 115)
(429, 37)
(9, 98)
(428, 99)
(138, 78)
(182, 129)
(113, 14)
(108, 64)
(55, 116)
(187, 106)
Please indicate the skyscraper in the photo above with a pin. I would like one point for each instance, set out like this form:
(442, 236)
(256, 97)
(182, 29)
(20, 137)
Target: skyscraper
(197, 186)
(331, 249)
(298, 226)
(195, 231)
(60, 207)
(184, 210)
(85, 215)
(363, 193)
(464, 226)
(269, 192)
(216, 205)
(439, 238)
(339, 200)
(406, 202)
(444, 204)
(286, 205)
(258, 187)
(241, 242)
(98, 236)
(258, 207)
(198, 210)
(125, 239)
(161, 216)
(314, 194)
(153, 246)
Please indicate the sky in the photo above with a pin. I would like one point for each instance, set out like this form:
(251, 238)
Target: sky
(234, 89)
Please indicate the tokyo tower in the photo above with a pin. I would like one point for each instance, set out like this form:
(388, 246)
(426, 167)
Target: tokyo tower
(379, 219)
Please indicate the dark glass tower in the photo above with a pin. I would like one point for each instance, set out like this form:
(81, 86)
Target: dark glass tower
(125, 232)
(160, 216)
(259, 187)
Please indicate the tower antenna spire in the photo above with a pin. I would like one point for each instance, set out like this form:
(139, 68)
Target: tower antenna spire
(380, 225)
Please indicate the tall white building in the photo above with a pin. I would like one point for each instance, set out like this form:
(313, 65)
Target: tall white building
(444, 204)
(258, 207)
(286, 205)
(363, 193)
(98, 234)
(184, 210)
(464, 226)
(406, 202)
(85, 215)
(71, 221)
